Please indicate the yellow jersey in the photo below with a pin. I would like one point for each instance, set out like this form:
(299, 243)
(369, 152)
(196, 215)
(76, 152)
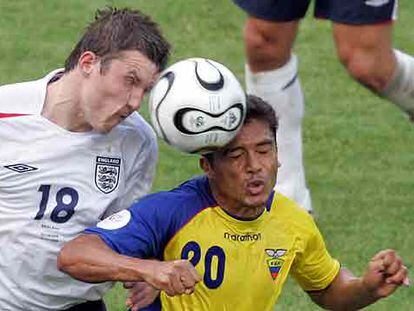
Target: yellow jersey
(243, 263)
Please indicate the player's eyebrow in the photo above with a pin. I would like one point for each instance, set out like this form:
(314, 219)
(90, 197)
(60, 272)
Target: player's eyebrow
(229, 150)
(266, 142)
(232, 149)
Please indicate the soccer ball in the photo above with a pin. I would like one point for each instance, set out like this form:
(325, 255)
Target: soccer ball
(197, 105)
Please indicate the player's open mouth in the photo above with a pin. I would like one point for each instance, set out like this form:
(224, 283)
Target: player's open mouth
(255, 187)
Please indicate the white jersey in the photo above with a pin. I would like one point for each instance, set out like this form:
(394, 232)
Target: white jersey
(53, 184)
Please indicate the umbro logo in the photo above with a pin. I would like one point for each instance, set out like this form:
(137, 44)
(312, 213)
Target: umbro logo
(20, 168)
(376, 3)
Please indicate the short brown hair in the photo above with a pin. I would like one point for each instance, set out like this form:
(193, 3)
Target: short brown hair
(116, 30)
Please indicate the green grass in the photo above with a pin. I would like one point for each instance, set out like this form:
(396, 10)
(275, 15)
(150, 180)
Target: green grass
(359, 150)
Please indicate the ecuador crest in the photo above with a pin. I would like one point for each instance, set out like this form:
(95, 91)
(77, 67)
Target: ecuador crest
(274, 261)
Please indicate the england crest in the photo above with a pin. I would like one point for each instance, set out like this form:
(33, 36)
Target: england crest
(107, 172)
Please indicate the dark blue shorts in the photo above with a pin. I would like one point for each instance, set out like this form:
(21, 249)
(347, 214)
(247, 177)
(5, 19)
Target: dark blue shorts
(354, 12)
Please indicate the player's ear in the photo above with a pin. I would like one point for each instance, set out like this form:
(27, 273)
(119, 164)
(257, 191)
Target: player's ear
(86, 62)
(205, 165)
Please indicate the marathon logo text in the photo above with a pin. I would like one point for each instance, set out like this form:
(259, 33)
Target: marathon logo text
(243, 237)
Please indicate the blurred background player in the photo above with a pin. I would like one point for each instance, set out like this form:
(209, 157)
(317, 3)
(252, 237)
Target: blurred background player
(232, 226)
(362, 31)
(74, 150)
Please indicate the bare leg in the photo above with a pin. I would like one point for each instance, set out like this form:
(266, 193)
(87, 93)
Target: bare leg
(366, 51)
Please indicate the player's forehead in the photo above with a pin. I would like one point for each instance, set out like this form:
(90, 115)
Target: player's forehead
(253, 133)
(133, 61)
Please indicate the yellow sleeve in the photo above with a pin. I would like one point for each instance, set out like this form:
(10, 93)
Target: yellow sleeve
(314, 268)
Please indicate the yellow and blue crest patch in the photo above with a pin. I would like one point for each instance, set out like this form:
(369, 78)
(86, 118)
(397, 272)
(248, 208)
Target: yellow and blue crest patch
(275, 262)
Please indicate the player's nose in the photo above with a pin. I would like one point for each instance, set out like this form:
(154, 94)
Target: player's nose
(253, 162)
(136, 99)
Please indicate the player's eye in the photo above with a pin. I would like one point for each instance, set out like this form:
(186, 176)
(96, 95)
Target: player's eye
(265, 148)
(129, 80)
(235, 154)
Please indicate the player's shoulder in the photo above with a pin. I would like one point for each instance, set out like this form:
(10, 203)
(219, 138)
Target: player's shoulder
(138, 128)
(291, 213)
(136, 122)
(24, 97)
(180, 203)
(282, 202)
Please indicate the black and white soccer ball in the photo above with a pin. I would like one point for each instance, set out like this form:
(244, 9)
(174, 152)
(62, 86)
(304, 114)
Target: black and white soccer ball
(197, 105)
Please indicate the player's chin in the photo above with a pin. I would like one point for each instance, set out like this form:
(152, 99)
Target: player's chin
(256, 200)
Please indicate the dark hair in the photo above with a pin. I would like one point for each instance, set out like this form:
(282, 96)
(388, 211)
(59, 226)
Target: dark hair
(256, 109)
(116, 30)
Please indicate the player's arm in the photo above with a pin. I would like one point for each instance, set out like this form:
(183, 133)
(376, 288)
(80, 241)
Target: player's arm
(88, 258)
(384, 274)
